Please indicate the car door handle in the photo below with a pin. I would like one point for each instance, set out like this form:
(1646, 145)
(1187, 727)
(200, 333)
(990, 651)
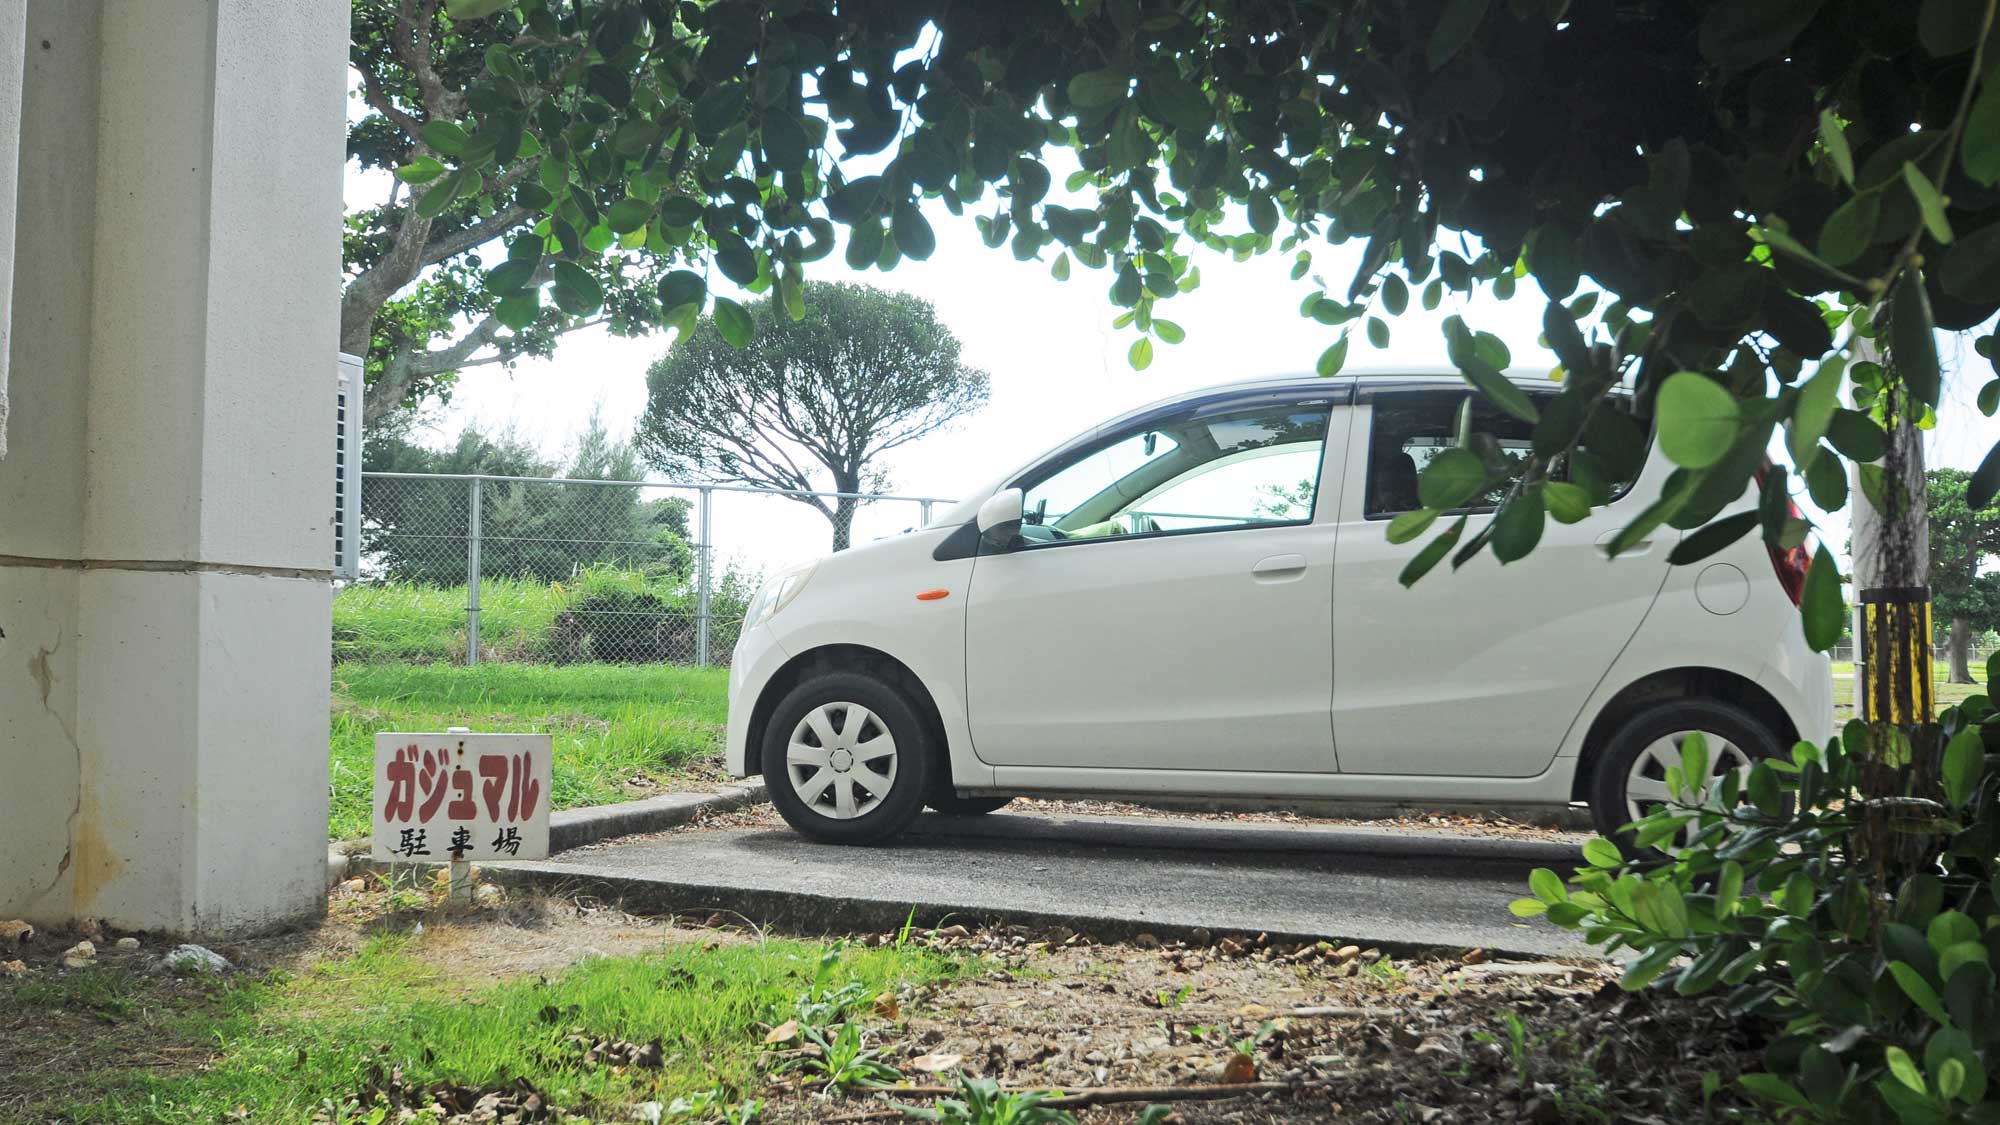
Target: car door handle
(1278, 568)
(1641, 547)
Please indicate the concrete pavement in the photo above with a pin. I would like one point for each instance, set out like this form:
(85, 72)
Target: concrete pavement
(1112, 876)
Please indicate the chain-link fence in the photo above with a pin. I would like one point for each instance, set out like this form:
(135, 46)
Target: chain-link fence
(555, 570)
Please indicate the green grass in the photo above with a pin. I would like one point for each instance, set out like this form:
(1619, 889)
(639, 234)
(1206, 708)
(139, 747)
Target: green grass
(285, 1047)
(610, 722)
(399, 622)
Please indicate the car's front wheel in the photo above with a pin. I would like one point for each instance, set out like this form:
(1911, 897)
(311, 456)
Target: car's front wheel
(1630, 780)
(847, 759)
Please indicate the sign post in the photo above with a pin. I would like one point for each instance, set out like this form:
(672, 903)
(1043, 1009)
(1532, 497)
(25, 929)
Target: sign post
(458, 797)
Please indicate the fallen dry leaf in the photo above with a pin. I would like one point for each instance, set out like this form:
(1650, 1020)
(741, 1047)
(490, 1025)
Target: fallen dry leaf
(783, 1033)
(13, 968)
(887, 1007)
(936, 1062)
(1239, 1068)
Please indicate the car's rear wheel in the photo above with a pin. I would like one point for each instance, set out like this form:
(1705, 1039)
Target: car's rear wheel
(1630, 780)
(947, 801)
(847, 760)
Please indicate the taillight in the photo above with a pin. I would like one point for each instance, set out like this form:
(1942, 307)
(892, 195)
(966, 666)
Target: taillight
(1791, 565)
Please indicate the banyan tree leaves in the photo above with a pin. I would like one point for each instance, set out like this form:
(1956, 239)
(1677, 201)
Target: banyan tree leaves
(1686, 252)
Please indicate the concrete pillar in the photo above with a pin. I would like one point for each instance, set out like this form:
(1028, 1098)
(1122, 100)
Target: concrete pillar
(165, 504)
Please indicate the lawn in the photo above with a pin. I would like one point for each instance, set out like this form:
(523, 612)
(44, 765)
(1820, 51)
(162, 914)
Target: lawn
(621, 731)
(302, 1047)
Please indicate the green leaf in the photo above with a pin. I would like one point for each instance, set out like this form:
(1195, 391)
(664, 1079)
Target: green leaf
(1566, 502)
(1179, 101)
(1728, 889)
(1989, 397)
(733, 321)
(1140, 354)
(1395, 295)
(1929, 203)
(1948, 27)
(1498, 390)
(1964, 760)
(1408, 525)
(1980, 150)
(433, 202)
(1971, 268)
(1919, 990)
(682, 287)
(913, 232)
(1912, 344)
(1600, 852)
(1528, 907)
(1453, 477)
(1818, 397)
(1851, 228)
(1698, 420)
(1454, 29)
(1904, 1068)
(1698, 545)
(1547, 885)
(1518, 525)
(518, 310)
(1168, 331)
(1743, 32)
(474, 9)
(1834, 141)
(1649, 966)
(511, 275)
(422, 170)
(735, 258)
(576, 292)
(628, 215)
(447, 137)
(1857, 436)
(1772, 1088)
(1059, 269)
(1093, 89)
(1821, 608)
(1333, 358)
(1378, 332)
(1985, 482)
(1432, 554)
(1826, 481)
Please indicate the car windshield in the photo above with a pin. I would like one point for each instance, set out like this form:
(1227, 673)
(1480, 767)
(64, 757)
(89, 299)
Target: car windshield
(1242, 467)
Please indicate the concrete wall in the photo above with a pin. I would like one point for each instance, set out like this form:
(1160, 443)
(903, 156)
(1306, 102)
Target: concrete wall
(165, 505)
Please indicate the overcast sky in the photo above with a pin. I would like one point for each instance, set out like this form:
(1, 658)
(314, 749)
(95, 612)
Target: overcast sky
(1057, 367)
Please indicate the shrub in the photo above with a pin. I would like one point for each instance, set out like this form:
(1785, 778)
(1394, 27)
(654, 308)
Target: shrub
(1849, 897)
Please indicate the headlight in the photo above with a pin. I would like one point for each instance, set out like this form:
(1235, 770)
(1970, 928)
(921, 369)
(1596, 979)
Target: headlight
(778, 593)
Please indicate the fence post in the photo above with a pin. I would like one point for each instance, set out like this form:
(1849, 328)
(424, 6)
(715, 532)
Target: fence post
(704, 577)
(472, 575)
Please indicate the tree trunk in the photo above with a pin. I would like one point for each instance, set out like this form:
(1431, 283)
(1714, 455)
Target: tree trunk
(1960, 647)
(843, 521)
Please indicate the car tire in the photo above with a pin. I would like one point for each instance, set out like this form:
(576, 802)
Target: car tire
(947, 801)
(827, 769)
(1647, 742)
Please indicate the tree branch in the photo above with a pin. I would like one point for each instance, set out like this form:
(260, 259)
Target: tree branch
(446, 246)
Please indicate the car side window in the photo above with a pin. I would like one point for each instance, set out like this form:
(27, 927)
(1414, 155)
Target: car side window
(1202, 471)
(1409, 428)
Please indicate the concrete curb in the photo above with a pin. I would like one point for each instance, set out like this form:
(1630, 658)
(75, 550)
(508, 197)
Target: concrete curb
(810, 914)
(573, 828)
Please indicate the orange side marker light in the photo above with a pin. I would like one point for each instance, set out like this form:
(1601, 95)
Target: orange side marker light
(933, 595)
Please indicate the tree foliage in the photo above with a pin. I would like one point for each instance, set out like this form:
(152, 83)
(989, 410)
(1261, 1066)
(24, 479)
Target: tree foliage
(1737, 181)
(416, 301)
(415, 530)
(1961, 541)
(756, 397)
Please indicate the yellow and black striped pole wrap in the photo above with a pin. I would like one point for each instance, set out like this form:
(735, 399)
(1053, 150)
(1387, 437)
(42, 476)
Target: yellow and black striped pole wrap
(1895, 684)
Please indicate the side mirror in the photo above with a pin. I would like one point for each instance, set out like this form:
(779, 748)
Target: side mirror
(1000, 516)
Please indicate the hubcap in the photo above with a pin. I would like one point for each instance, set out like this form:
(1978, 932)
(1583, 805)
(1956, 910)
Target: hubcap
(841, 760)
(1646, 783)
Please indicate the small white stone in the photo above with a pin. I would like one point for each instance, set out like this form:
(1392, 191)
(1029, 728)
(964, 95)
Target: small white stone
(128, 943)
(195, 959)
(79, 955)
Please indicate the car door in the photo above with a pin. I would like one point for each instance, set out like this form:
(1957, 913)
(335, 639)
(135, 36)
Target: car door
(1476, 672)
(1168, 602)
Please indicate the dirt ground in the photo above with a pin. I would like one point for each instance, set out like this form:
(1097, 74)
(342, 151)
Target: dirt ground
(1322, 1034)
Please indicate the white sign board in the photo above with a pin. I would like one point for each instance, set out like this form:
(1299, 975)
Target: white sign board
(440, 797)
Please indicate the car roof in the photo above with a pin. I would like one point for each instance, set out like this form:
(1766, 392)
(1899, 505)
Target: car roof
(1371, 376)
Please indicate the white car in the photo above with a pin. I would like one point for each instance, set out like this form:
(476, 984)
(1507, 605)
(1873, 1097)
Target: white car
(1198, 599)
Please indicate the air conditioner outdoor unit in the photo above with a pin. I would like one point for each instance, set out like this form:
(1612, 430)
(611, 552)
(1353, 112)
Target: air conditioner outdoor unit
(347, 470)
